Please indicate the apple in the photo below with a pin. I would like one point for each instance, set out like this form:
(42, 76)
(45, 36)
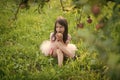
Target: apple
(22, 6)
(80, 25)
(96, 9)
(89, 20)
(99, 25)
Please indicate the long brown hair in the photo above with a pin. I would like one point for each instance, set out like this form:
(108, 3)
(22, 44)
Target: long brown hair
(62, 21)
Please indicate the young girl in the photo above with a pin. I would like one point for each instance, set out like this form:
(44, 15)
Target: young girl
(59, 45)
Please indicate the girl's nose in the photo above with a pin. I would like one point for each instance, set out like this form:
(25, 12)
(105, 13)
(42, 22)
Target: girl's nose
(59, 30)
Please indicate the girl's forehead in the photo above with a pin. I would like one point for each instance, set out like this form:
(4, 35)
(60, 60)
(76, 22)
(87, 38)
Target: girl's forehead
(58, 25)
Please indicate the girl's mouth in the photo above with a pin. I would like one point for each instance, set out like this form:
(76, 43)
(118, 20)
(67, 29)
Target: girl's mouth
(59, 32)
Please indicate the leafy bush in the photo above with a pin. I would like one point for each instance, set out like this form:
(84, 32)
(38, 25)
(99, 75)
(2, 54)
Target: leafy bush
(20, 57)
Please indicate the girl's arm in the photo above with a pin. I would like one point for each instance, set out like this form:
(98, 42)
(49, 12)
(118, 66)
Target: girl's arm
(51, 37)
(63, 48)
(68, 39)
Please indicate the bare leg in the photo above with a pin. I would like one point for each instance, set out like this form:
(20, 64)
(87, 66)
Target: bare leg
(67, 53)
(54, 53)
(60, 57)
(62, 47)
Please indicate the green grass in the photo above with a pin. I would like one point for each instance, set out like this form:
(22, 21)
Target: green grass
(21, 59)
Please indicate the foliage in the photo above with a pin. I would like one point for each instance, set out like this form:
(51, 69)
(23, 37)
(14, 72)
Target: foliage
(20, 57)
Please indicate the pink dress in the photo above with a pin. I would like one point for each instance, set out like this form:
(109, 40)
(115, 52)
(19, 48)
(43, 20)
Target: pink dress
(48, 46)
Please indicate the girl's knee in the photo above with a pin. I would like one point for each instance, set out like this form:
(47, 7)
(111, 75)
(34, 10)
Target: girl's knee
(59, 52)
(72, 55)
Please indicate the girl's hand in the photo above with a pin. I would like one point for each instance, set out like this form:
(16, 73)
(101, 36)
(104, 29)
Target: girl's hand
(59, 37)
(60, 44)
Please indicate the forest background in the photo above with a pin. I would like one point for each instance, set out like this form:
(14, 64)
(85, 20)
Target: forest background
(95, 30)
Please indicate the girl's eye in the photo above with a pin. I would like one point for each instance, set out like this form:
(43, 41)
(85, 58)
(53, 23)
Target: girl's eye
(61, 26)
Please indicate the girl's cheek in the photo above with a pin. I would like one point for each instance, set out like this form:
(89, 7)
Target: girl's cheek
(62, 31)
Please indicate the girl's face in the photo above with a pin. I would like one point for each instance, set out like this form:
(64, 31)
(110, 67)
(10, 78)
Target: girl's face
(60, 28)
